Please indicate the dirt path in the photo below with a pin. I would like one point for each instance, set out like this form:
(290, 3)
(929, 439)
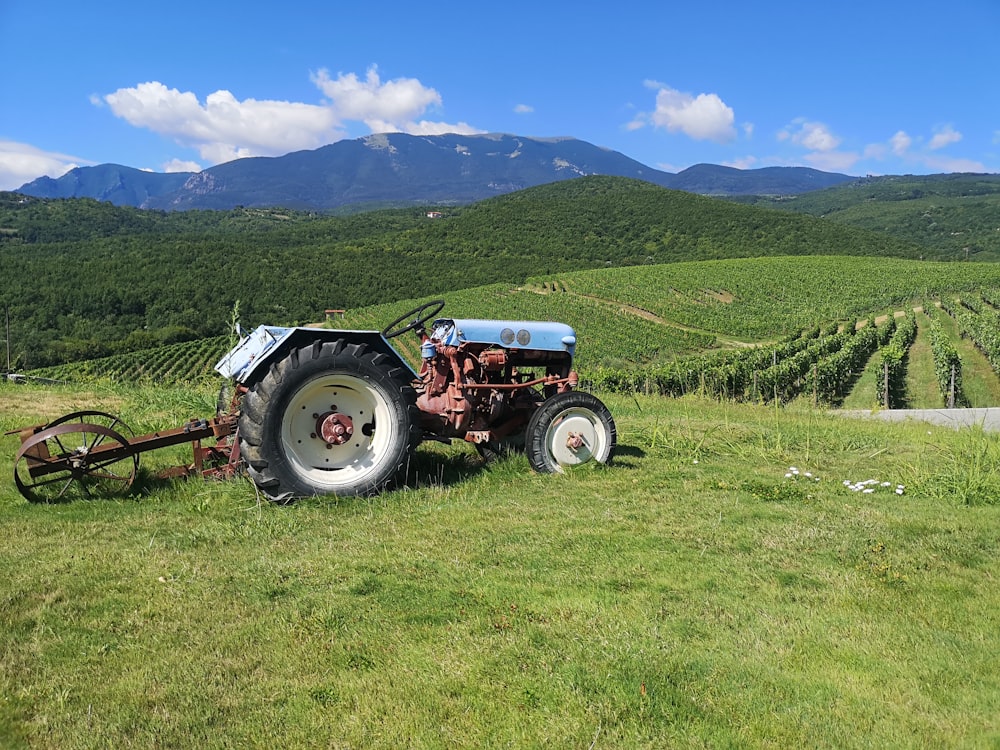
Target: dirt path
(645, 314)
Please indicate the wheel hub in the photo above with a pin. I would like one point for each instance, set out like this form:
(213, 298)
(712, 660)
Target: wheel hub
(334, 428)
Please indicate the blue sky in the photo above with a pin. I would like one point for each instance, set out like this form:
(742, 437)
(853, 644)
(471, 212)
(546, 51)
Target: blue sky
(875, 87)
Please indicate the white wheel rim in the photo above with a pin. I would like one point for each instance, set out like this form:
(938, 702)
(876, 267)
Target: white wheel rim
(572, 426)
(334, 466)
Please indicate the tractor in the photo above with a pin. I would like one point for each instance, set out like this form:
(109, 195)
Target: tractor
(317, 411)
(341, 412)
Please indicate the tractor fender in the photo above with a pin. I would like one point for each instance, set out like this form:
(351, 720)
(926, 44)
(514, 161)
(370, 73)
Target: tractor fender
(249, 359)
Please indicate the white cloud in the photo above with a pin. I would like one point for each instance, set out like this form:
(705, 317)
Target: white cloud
(909, 150)
(814, 136)
(524, 109)
(946, 164)
(223, 128)
(704, 117)
(424, 127)
(21, 163)
(900, 143)
(820, 143)
(944, 137)
(394, 101)
(178, 165)
(743, 162)
(390, 107)
(831, 161)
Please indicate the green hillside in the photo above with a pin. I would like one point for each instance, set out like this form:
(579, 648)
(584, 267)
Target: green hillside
(953, 213)
(82, 280)
(746, 300)
(729, 327)
(728, 324)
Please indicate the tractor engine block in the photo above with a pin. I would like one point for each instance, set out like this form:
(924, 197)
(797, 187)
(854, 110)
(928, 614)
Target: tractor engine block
(479, 390)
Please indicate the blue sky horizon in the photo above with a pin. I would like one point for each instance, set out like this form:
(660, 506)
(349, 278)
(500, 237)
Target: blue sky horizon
(858, 88)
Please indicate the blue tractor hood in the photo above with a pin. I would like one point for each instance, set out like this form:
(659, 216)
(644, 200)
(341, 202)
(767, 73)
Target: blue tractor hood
(511, 334)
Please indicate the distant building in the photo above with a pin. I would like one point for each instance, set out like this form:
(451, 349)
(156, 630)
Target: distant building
(434, 214)
(331, 314)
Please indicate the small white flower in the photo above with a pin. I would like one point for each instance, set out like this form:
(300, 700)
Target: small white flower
(788, 475)
(899, 490)
(808, 474)
(868, 490)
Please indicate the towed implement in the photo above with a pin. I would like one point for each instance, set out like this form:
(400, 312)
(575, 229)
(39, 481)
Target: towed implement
(90, 453)
(318, 411)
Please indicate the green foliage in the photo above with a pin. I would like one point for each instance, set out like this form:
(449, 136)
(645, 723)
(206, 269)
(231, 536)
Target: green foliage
(947, 363)
(891, 365)
(950, 213)
(758, 298)
(979, 321)
(183, 362)
(758, 374)
(78, 277)
(774, 491)
(624, 346)
(833, 375)
(964, 471)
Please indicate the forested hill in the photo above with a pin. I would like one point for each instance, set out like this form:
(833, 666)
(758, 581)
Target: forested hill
(954, 213)
(82, 279)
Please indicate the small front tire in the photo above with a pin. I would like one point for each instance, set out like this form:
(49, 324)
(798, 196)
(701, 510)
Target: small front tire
(570, 429)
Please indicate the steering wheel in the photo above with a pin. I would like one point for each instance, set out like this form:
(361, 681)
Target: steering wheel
(419, 318)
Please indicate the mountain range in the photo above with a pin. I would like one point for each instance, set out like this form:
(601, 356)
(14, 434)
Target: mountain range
(396, 170)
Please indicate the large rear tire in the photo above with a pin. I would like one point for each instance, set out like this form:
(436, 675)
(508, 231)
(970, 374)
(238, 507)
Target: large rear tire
(329, 419)
(570, 429)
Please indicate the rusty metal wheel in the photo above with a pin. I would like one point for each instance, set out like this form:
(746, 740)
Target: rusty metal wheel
(79, 455)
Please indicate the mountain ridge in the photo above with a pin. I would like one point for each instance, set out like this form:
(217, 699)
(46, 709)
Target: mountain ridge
(397, 170)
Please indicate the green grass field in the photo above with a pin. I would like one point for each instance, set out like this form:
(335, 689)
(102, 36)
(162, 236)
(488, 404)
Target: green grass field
(701, 591)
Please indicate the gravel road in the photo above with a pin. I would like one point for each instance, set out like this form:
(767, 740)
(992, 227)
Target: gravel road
(988, 419)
